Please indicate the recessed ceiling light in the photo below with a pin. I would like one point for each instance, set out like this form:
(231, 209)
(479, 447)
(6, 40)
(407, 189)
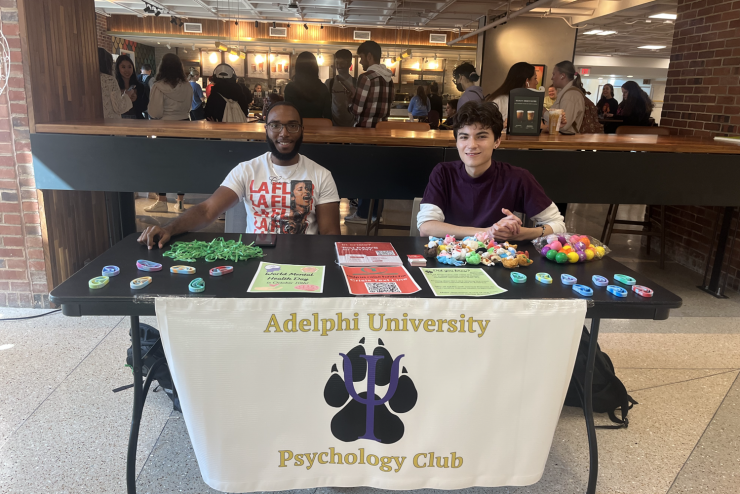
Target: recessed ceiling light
(630, 76)
(594, 31)
(605, 33)
(612, 75)
(601, 78)
(664, 16)
(651, 47)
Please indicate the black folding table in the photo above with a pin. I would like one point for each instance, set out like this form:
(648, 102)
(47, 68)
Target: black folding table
(117, 298)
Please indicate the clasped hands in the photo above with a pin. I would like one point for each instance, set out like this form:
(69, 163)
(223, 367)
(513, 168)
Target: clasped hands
(507, 228)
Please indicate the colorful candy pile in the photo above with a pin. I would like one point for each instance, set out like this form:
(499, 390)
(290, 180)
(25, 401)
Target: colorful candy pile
(570, 248)
(477, 249)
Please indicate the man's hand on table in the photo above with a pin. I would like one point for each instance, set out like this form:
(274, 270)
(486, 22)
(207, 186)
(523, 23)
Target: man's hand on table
(506, 228)
(155, 235)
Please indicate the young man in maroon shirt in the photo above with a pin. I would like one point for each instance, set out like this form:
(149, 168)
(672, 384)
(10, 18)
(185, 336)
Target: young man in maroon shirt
(477, 193)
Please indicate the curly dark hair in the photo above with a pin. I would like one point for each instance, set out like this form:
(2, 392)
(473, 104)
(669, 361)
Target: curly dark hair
(171, 70)
(481, 112)
(637, 102)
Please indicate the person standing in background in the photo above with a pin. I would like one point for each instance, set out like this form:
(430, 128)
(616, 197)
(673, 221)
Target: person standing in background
(306, 91)
(552, 94)
(419, 105)
(521, 75)
(225, 87)
(115, 101)
(126, 80)
(373, 96)
(146, 75)
(197, 112)
(607, 105)
(464, 77)
(209, 87)
(341, 116)
(435, 99)
(451, 111)
(570, 98)
(258, 96)
(171, 93)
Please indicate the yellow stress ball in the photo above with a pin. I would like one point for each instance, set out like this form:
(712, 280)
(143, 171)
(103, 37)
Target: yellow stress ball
(567, 248)
(600, 251)
(572, 257)
(589, 254)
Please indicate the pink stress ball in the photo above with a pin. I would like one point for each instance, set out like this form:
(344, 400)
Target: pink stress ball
(556, 245)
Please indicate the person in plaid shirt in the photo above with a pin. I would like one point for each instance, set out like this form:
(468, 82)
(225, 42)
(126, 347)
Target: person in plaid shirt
(374, 93)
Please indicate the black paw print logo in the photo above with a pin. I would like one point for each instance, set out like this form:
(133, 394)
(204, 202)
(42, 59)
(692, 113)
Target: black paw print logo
(363, 417)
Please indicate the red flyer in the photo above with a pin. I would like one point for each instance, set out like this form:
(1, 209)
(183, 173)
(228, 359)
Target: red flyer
(374, 280)
(367, 254)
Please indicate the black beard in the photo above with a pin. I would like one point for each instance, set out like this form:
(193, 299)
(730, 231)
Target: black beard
(284, 156)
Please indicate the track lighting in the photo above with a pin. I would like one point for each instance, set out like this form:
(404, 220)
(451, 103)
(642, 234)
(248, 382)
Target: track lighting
(322, 26)
(256, 23)
(305, 26)
(236, 22)
(274, 24)
(158, 13)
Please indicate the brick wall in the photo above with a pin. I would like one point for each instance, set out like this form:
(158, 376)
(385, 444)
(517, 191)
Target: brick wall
(104, 41)
(22, 267)
(702, 95)
(702, 99)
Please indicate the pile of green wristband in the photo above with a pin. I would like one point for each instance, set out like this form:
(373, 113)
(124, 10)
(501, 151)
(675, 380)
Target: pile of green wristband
(217, 249)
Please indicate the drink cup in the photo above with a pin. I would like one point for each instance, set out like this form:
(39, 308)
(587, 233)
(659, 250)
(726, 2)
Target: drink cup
(555, 117)
(519, 114)
(530, 115)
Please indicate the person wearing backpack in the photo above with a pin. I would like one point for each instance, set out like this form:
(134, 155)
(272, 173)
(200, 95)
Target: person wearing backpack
(227, 102)
(581, 116)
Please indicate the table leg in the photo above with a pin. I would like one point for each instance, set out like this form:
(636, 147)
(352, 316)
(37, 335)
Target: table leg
(593, 451)
(138, 407)
(719, 256)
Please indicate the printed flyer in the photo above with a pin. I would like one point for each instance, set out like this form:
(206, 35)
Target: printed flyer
(287, 278)
(392, 280)
(451, 282)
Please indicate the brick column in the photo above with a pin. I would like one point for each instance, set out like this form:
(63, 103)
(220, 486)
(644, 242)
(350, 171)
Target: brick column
(702, 99)
(702, 96)
(22, 266)
(104, 41)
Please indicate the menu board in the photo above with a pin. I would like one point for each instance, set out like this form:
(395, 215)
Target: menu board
(525, 112)
(257, 65)
(209, 60)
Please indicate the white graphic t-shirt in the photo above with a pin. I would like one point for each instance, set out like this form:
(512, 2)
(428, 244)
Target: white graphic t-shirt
(282, 199)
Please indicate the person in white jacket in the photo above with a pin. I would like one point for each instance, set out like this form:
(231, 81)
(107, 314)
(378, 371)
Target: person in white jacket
(170, 99)
(171, 93)
(115, 101)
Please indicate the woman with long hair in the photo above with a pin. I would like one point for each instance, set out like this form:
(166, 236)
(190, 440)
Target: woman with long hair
(306, 91)
(126, 77)
(115, 101)
(420, 104)
(570, 97)
(171, 94)
(521, 75)
(607, 105)
(635, 108)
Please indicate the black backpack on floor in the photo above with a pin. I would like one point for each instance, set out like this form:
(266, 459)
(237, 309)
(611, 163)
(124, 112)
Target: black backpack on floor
(609, 394)
(151, 351)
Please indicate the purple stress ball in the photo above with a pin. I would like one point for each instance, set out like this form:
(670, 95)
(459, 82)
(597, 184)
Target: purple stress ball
(545, 249)
(580, 246)
(556, 245)
(581, 256)
(562, 240)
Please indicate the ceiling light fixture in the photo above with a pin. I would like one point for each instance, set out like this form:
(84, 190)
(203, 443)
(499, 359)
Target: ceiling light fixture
(221, 46)
(606, 33)
(593, 31)
(322, 26)
(193, 47)
(305, 26)
(158, 13)
(630, 76)
(664, 16)
(293, 5)
(651, 47)
(213, 57)
(274, 24)
(320, 59)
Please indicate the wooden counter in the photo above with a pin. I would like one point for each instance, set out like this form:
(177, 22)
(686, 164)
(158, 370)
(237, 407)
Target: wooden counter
(434, 138)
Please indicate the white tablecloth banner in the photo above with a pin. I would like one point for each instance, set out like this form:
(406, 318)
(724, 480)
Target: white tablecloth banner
(274, 392)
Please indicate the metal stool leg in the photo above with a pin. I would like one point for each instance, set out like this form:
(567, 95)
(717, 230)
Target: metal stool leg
(137, 410)
(662, 237)
(593, 450)
(606, 223)
(648, 227)
(369, 217)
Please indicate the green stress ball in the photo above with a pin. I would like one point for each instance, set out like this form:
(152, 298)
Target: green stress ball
(551, 254)
(561, 257)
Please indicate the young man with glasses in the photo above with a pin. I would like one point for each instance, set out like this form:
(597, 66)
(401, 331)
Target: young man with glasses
(283, 191)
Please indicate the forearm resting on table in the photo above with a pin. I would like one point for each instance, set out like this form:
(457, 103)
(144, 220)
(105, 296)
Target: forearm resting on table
(434, 228)
(205, 213)
(526, 234)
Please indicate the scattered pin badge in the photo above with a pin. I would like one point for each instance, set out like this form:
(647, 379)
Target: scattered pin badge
(583, 290)
(221, 270)
(98, 282)
(140, 283)
(197, 285)
(599, 280)
(544, 278)
(144, 265)
(518, 277)
(182, 270)
(624, 279)
(617, 291)
(567, 279)
(111, 271)
(642, 291)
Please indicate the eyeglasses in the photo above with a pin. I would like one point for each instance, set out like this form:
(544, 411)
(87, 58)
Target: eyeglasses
(278, 127)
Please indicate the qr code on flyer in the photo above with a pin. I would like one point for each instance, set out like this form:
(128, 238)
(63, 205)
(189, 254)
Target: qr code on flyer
(384, 253)
(382, 288)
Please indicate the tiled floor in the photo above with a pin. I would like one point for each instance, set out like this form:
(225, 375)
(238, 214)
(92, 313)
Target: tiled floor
(63, 430)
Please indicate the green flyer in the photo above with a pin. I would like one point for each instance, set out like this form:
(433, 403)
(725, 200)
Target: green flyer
(287, 278)
(460, 282)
